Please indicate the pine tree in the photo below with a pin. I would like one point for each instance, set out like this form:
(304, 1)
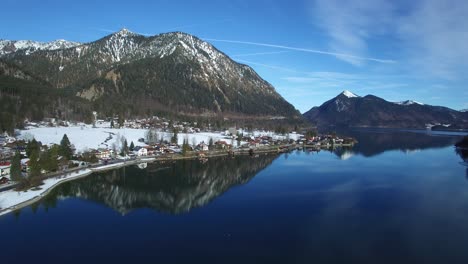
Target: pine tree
(210, 144)
(44, 161)
(53, 156)
(65, 148)
(132, 146)
(185, 146)
(32, 146)
(124, 150)
(15, 170)
(121, 121)
(175, 138)
(35, 167)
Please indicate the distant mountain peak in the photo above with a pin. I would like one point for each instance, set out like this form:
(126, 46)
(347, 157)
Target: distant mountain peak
(409, 102)
(124, 32)
(349, 94)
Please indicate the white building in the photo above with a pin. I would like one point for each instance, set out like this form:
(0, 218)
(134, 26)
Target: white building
(5, 169)
(141, 152)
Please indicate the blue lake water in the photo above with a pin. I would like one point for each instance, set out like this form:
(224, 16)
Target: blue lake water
(396, 197)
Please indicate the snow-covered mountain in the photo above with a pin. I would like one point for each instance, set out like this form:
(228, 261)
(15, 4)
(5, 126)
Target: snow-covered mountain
(171, 72)
(29, 47)
(350, 110)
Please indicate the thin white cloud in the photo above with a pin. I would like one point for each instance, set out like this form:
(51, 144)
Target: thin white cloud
(350, 24)
(427, 36)
(435, 35)
(335, 54)
(105, 30)
(268, 66)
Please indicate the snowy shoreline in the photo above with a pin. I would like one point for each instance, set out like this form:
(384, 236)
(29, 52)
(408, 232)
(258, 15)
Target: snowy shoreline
(12, 200)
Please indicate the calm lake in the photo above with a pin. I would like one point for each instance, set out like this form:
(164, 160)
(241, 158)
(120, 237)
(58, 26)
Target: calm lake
(396, 197)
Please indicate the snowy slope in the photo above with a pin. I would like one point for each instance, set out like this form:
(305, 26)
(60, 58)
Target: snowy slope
(29, 46)
(349, 94)
(409, 102)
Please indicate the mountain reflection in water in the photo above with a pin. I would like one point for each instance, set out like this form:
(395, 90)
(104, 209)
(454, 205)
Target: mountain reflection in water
(373, 142)
(172, 187)
(179, 186)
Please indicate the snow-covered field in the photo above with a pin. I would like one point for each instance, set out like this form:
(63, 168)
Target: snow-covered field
(85, 137)
(12, 198)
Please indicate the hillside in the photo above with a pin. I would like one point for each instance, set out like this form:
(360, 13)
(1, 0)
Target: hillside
(23, 96)
(173, 73)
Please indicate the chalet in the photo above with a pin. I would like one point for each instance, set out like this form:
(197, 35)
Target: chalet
(103, 153)
(222, 145)
(140, 151)
(5, 169)
(254, 143)
(202, 147)
(152, 150)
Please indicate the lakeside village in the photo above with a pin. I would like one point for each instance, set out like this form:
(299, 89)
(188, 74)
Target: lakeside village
(26, 161)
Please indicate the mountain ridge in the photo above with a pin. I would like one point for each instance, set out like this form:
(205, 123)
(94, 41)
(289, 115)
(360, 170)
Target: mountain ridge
(135, 75)
(373, 111)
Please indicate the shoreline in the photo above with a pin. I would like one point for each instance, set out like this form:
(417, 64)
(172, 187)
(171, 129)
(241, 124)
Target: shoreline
(32, 196)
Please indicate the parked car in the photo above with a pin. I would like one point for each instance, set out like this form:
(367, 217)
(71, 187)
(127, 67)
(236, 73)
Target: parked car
(3, 180)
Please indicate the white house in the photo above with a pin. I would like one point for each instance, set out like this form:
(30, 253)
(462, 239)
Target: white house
(141, 151)
(5, 169)
(202, 146)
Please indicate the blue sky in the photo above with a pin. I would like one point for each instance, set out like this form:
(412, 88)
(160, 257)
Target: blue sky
(309, 50)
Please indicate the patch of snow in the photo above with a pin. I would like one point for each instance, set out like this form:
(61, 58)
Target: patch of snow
(349, 94)
(340, 106)
(86, 137)
(29, 46)
(409, 102)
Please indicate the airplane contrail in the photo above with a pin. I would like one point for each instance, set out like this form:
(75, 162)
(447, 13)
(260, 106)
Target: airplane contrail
(269, 66)
(301, 49)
